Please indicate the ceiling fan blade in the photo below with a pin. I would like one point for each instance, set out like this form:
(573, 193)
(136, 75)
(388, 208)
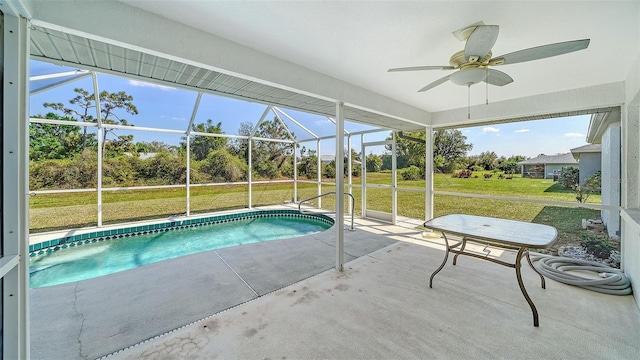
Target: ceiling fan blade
(435, 83)
(541, 52)
(481, 41)
(418, 68)
(498, 78)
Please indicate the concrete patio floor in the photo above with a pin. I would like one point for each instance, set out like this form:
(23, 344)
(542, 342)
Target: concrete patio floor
(95, 317)
(382, 307)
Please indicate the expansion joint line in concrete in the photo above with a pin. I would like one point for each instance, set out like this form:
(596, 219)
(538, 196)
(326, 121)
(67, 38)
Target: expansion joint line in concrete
(238, 275)
(333, 246)
(75, 301)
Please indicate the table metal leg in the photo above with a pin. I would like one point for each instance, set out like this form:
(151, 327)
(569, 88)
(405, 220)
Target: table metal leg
(464, 243)
(446, 256)
(536, 270)
(521, 284)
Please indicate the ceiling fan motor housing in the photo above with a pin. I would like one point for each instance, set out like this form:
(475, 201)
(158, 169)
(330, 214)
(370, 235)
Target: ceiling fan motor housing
(468, 76)
(458, 60)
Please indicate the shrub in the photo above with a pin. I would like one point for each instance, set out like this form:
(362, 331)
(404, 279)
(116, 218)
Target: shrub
(77, 172)
(463, 174)
(410, 173)
(591, 184)
(599, 247)
(569, 178)
(356, 169)
(196, 175)
(329, 170)
(594, 182)
(221, 165)
(163, 169)
(373, 163)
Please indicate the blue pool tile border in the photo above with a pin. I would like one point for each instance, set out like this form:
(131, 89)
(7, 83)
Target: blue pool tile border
(104, 235)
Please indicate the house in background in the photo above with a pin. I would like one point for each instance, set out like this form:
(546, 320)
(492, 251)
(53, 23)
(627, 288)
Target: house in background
(606, 131)
(589, 159)
(546, 166)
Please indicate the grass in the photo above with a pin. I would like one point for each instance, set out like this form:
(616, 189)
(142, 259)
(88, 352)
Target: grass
(63, 211)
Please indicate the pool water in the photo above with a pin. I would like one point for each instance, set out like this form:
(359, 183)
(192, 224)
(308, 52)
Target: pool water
(108, 257)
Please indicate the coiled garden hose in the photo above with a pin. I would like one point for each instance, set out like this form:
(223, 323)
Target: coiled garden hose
(612, 281)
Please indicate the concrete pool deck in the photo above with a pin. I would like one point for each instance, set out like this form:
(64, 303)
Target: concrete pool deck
(95, 317)
(379, 307)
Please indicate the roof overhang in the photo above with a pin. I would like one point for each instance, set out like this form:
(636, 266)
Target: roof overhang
(599, 124)
(176, 50)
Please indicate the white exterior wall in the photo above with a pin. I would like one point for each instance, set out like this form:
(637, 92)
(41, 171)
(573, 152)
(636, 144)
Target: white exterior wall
(630, 263)
(610, 177)
(590, 163)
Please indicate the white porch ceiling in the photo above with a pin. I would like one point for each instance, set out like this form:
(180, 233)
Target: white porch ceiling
(307, 54)
(358, 41)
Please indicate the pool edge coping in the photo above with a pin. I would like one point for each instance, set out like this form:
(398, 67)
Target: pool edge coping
(79, 237)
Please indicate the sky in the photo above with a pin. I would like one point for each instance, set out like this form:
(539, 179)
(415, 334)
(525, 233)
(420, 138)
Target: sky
(171, 108)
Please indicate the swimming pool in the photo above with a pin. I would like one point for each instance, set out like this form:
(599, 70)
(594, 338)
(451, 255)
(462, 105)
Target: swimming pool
(87, 256)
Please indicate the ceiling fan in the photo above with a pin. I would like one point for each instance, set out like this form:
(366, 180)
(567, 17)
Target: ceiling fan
(474, 62)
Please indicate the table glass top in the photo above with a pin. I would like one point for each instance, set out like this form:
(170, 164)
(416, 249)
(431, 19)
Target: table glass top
(511, 232)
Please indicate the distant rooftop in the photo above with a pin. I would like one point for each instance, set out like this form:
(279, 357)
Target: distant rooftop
(589, 148)
(562, 159)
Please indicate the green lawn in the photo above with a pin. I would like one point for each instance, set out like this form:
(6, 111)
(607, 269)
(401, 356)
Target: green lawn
(60, 211)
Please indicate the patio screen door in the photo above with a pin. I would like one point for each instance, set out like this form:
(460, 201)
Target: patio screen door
(379, 198)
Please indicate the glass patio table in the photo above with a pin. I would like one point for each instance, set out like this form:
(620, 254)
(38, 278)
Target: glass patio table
(507, 234)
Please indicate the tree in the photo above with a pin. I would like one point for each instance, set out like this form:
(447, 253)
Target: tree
(488, 160)
(52, 141)
(83, 105)
(109, 103)
(151, 147)
(451, 144)
(269, 158)
(308, 163)
(410, 148)
(373, 163)
(240, 147)
(84, 102)
(510, 165)
(202, 145)
(449, 148)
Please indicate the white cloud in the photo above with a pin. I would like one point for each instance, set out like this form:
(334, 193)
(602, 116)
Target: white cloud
(522, 131)
(179, 118)
(573, 135)
(490, 129)
(144, 84)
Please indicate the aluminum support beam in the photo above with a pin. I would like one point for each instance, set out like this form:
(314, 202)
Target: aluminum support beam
(394, 180)
(249, 172)
(96, 94)
(188, 141)
(14, 65)
(349, 172)
(428, 171)
(295, 172)
(284, 125)
(363, 177)
(319, 164)
(294, 121)
(339, 186)
(81, 75)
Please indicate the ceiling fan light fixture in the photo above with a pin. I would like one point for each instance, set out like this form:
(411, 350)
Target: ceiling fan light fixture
(468, 76)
